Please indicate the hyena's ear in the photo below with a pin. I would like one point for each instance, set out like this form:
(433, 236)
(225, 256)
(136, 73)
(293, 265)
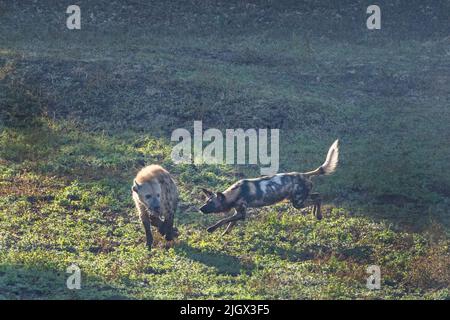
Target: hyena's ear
(208, 193)
(221, 196)
(135, 186)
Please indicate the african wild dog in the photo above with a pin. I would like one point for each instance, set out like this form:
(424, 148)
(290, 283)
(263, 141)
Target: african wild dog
(155, 196)
(267, 190)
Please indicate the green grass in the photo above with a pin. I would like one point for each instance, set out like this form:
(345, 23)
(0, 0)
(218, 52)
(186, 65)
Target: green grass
(82, 112)
(57, 210)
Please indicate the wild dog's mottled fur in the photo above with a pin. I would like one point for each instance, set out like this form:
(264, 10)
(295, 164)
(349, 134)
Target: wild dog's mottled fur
(156, 196)
(267, 190)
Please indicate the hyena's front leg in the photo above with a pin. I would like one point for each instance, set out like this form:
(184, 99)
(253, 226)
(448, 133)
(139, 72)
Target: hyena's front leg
(147, 227)
(169, 230)
(156, 221)
(163, 226)
(238, 215)
(169, 208)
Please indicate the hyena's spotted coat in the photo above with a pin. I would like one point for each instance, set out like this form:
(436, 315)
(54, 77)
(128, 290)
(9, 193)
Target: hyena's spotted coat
(156, 198)
(267, 190)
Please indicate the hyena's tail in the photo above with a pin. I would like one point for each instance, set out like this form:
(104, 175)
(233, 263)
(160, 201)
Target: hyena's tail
(330, 164)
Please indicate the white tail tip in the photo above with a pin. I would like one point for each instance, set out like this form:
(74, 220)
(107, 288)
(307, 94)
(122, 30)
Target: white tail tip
(330, 164)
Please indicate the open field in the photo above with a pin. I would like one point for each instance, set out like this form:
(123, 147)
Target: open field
(82, 111)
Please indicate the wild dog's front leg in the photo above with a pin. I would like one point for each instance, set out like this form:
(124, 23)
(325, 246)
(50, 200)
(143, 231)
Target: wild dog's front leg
(238, 215)
(229, 227)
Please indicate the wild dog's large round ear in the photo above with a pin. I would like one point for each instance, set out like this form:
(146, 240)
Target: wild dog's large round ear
(208, 193)
(135, 186)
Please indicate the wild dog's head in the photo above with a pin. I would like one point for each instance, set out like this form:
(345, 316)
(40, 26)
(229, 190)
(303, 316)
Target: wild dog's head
(149, 194)
(216, 202)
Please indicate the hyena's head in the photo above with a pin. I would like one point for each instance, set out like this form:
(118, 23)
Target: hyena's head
(216, 202)
(149, 194)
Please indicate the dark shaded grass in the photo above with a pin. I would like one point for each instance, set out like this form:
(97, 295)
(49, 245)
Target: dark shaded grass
(25, 282)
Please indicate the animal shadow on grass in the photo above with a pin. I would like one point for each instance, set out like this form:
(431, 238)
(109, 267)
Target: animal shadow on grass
(223, 263)
(39, 282)
(360, 254)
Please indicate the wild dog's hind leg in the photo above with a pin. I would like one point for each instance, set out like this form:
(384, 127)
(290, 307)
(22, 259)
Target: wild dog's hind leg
(299, 195)
(238, 215)
(298, 199)
(316, 200)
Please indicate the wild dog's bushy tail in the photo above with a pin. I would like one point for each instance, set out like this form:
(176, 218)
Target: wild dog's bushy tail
(330, 164)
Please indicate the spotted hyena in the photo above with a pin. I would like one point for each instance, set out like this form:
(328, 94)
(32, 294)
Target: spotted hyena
(267, 190)
(156, 197)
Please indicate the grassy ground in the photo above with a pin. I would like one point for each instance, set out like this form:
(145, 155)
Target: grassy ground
(82, 111)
